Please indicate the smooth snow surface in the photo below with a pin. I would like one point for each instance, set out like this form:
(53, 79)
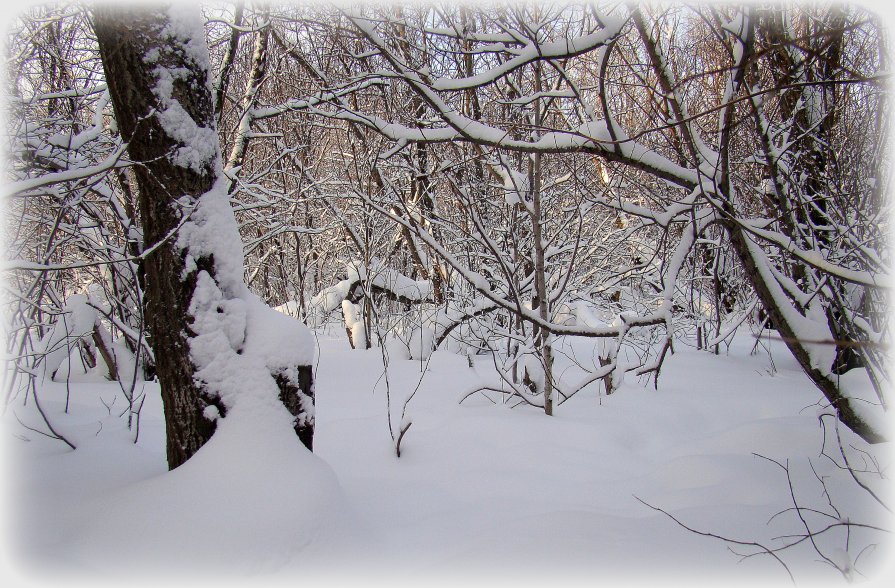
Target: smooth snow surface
(482, 493)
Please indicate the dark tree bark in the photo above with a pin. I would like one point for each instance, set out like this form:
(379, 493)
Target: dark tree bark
(227, 66)
(135, 41)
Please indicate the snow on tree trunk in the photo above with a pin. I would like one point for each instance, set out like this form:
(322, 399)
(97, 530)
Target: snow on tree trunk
(354, 325)
(75, 323)
(798, 332)
(219, 350)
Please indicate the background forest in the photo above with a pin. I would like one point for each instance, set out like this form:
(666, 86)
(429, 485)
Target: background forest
(543, 203)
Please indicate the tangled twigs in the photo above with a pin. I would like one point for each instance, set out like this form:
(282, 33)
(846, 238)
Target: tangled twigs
(760, 549)
(834, 519)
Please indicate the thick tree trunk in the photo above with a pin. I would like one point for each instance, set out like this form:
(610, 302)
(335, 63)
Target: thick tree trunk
(126, 36)
(139, 48)
(290, 395)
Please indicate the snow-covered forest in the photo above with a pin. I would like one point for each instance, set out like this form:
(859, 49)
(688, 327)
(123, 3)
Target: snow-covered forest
(402, 292)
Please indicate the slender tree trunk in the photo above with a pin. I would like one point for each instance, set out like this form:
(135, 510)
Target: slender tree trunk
(250, 95)
(542, 298)
(763, 289)
(227, 66)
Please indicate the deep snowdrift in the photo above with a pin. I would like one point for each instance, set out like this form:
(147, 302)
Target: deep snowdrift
(481, 493)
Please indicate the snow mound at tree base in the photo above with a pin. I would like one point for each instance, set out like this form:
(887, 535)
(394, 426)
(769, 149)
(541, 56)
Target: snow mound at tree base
(253, 500)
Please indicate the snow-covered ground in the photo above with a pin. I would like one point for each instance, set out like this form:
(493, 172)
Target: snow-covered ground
(482, 492)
